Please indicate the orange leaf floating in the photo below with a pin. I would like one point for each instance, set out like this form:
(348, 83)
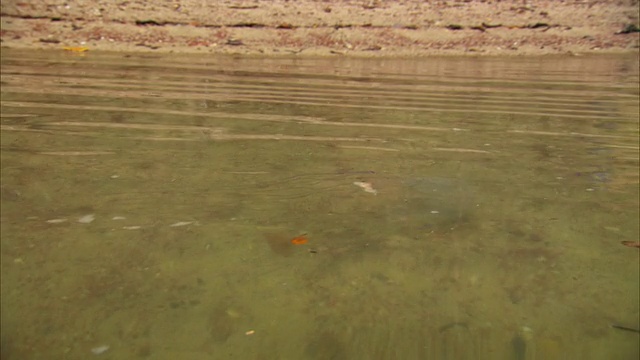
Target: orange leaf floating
(299, 240)
(76, 48)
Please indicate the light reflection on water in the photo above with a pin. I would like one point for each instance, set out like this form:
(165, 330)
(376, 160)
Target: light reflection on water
(501, 190)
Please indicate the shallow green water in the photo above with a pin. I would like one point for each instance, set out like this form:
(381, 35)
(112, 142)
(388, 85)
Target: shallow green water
(148, 203)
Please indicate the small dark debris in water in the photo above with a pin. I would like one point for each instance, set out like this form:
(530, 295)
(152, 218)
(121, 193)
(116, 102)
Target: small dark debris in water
(519, 346)
(313, 251)
(455, 27)
(629, 29)
(285, 26)
(243, 7)
(234, 42)
(625, 328)
(147, 22)
(152, 47)
(491, 26)
(449, 326)
(50, 41)
(635, 244)
(248, 25)
(538, 25)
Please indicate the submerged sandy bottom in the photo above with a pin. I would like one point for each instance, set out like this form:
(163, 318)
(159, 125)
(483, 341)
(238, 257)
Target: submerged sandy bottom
(453, 208)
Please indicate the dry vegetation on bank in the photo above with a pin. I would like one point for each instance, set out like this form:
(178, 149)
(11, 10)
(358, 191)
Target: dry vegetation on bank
(319, 27)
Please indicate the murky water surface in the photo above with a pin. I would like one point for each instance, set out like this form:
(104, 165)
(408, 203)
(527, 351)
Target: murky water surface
(454, 208)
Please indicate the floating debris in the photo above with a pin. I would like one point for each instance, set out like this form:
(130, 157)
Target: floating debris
(300, 240)
(629, 29)
(118, 218)
(625, 328)
(366, 187)
(132, 227)
(181, 223)
(87, 219)
(56, 221)
(100, 349)
(234, 42)
(635, 244)
(250, 332)
(50, 41)
(77, 49)
(148, 22)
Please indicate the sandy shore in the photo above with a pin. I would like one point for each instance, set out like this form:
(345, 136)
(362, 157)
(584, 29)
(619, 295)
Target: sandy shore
(325, 27)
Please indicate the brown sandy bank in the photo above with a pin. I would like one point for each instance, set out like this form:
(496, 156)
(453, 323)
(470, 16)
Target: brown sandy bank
(325, 27)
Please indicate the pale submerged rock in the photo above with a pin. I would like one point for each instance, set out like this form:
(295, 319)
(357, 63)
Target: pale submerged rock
(100, 349)
(87, 219)
(366, 187)
(56, 221)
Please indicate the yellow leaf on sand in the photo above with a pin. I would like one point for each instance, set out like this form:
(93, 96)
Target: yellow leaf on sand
(76, 48)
